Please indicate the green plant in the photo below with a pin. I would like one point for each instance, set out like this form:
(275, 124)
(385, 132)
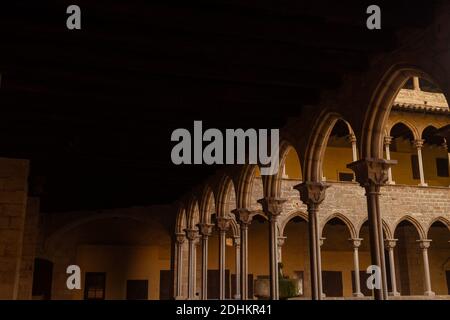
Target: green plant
(288, 288)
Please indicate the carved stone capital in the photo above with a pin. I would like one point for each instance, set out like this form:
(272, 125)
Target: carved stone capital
(356, 242)
(243, 216)
(388, 140)
(223, 223)
(180, 237)
(444, 132)
(312, 193)
(390, 243)
(280, 241)
(424, 243)
(321, 240)
(351, 138)
(205, 229)
(272, 206)
(418, 143)
(191, 234)
(371, 171)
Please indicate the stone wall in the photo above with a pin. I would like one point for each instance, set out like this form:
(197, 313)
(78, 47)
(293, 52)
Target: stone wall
(30, 238)
(13, 201)
(420, 205)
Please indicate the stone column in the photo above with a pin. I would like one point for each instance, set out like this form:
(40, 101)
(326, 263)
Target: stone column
(180, 238)
(356, 242)
(419, 144)
(237, 247)
(372, 174)
(313, 194)
(321, 242)
(280, 244)
(352, 139)
(446, 147)
(387, 143)
(273, 207)
(205, 231)
(191, 235)
(424, 245)
(416, 84)
(390, 245)
(223, 224)
(244, 218)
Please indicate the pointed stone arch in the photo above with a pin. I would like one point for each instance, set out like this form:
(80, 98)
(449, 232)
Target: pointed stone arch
(420, 230)
(207, 204)
(297, 213)
(406, 123)
(344, 219)
(385, 91)
(386, 228)
(441, 219)
(226, 192)
(193, 213)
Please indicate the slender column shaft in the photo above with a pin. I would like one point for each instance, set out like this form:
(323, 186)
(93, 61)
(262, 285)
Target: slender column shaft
(222, 249)
(419, 144)
(205, 231)
(314, 254)
(204, 295)
(237, 247)
(387, 143)
(191, 234)
(416, 84)
(179, 274)
(273, 246)
(424, 245)
(356, 243)
(352, 139)
(244, 261)
(390, 245)
(379, 225)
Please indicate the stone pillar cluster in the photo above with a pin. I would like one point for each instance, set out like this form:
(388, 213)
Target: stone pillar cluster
(313, 194)
(273, 207)
(371, 174)
(244, 218)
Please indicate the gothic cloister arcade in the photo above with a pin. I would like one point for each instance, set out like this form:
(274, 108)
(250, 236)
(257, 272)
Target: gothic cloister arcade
(360, 205)
(368, 186)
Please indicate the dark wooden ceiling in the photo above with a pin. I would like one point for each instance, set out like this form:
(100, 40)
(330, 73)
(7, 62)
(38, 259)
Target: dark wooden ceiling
(94, 109)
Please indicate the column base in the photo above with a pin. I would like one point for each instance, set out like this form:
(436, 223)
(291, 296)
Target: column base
(237, 297)
(429, 293)
(423, 184)
(394, 294)
(180, 298)
(358, 294)
(390, 182)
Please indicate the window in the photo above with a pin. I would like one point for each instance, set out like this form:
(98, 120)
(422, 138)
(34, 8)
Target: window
(363, 276)
(442, 167)
(344, 176)
(332, 283)
(137, 289)
(94, 286)
(415, 166)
